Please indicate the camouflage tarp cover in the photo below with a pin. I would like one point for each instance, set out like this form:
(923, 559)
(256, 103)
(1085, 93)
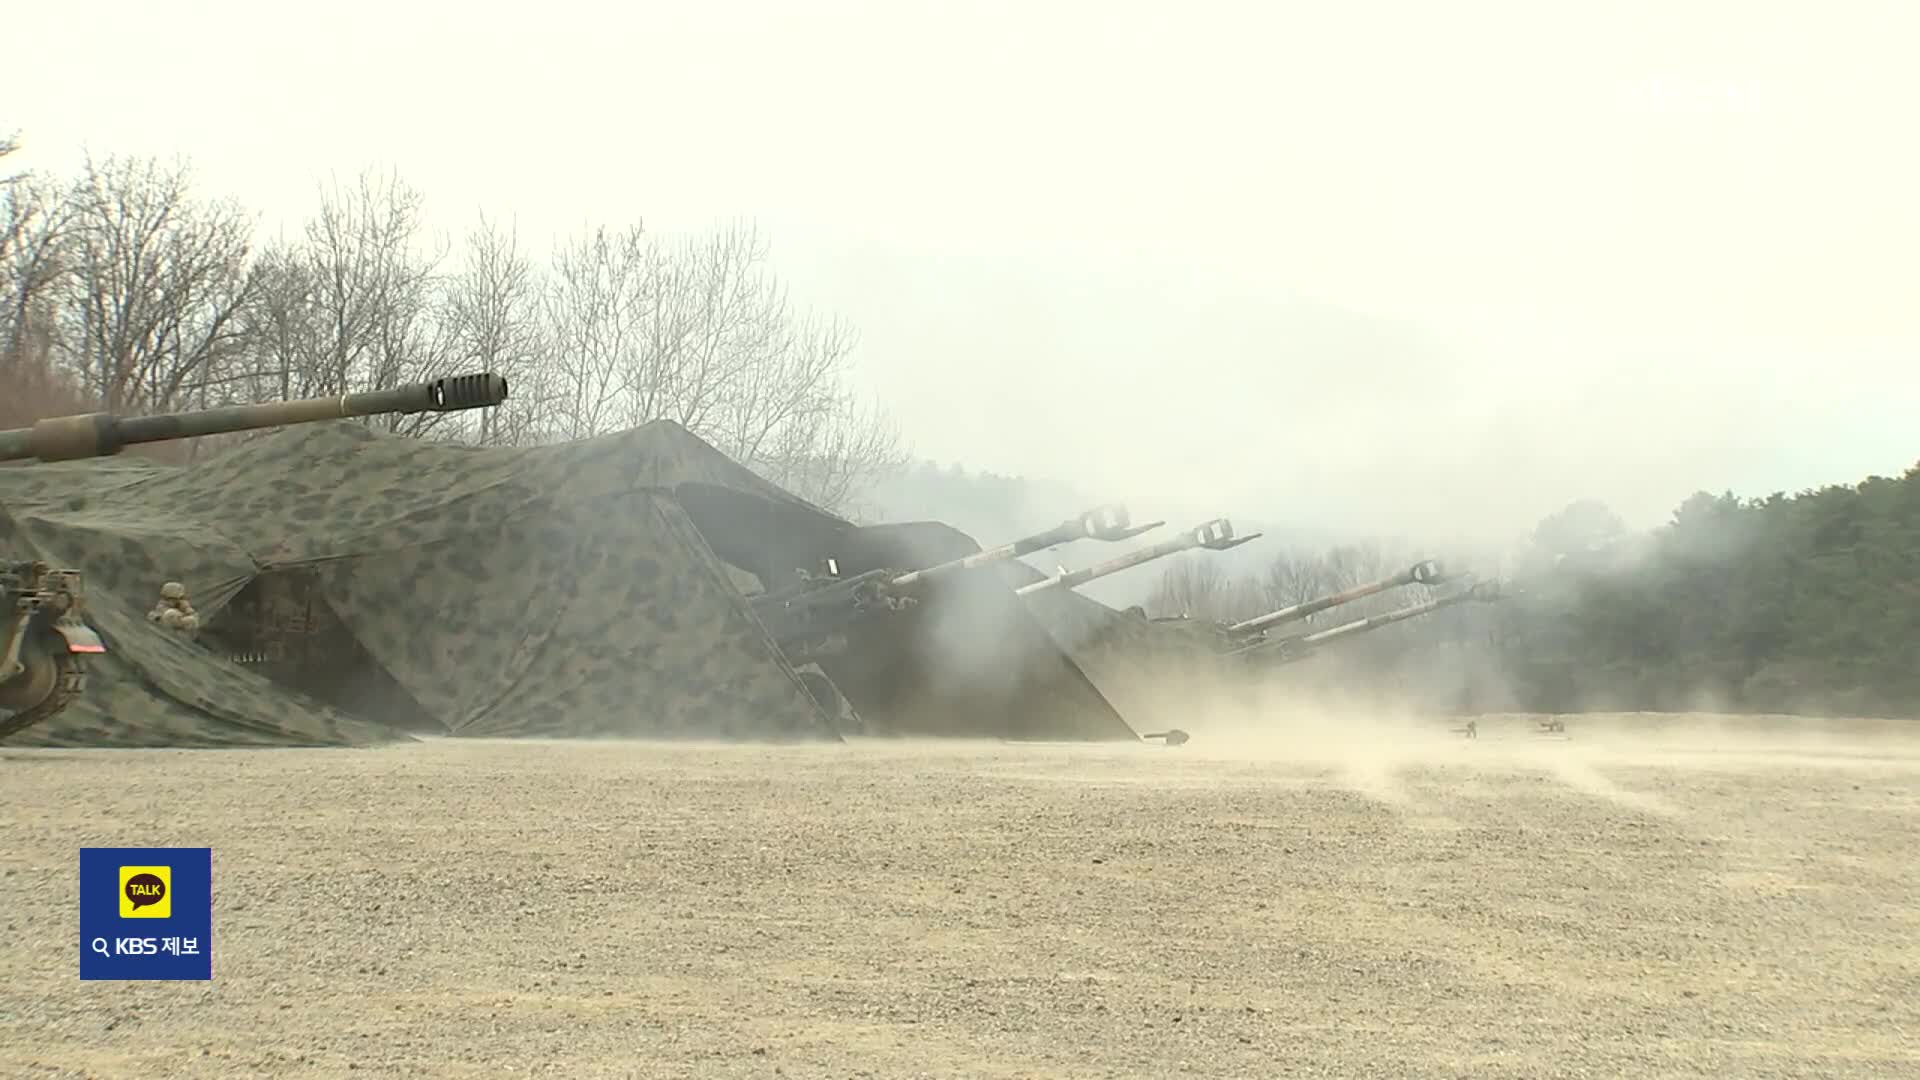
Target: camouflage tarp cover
(1137, 662)
(155, 689)
(972, 661)
(558, 590)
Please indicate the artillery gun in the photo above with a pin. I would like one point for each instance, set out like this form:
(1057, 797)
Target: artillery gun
(1233, 639)
(1215, 535)
(810, 619)
(1290, 649)
(44, 638)
(65, 438)
(1254, 631)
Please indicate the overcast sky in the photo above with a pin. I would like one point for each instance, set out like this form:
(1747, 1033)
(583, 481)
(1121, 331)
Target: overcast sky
(1412, 267)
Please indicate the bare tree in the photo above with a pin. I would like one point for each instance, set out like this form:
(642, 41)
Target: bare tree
(32, 224)
(698, 330)
(1190, 588)
(9, 143)
(710, 323)
(1291, 578)
(154, 299)
(34, 217)
(283, 327)
(158, 278)
(595, 307)
(832, 454)
(493, 317)
(370, 303)
(728, 357)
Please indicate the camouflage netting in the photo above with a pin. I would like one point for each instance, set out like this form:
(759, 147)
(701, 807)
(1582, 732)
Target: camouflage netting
(156, 689)
(559, 590)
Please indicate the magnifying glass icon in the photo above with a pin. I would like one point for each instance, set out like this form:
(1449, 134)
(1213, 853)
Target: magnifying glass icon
(100, 946)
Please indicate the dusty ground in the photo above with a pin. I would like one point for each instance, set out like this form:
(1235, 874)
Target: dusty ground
(1646, 897)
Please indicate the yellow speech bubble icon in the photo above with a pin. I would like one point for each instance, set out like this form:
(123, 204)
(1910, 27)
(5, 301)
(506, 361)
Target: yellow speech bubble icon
(146, 892)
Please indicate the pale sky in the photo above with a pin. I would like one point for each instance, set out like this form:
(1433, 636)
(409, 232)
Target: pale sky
(1415, 267)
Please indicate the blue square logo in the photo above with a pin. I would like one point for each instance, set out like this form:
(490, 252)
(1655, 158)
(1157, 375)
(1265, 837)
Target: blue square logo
(146, 913)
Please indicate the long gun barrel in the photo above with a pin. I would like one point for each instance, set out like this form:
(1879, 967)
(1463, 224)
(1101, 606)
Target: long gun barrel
(1297, 648)
(1109, 523)
(1215, 535)
(811, 617)
(1425, 572)
(65, 438)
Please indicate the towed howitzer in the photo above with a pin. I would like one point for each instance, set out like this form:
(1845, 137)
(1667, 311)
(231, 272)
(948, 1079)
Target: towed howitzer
(1289, 649)
(1424, 572)
(810, 618)
(1215, 535)
(65, 438)
(44, 638)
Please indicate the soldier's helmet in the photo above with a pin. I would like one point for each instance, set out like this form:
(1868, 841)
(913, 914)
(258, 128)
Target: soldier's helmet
(173, 590)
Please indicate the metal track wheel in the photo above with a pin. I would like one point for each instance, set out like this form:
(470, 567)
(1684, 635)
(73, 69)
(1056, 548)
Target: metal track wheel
(50, 682)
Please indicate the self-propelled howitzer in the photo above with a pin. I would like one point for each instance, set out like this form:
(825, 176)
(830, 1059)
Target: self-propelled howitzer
(1289, 649)
(1215, 535)
(65, 438)
(809, 619)
(44, 638)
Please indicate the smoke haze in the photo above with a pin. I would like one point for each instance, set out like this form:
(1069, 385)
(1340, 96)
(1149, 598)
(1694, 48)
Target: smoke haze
(1377, 268)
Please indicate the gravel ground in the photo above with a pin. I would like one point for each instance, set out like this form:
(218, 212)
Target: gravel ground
(1647, 896)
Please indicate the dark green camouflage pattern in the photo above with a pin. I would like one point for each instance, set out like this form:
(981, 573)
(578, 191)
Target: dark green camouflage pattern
(586, 589)
(557, 590)
(163, 687)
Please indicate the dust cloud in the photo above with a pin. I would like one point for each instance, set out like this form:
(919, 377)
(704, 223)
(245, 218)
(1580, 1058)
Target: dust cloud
(1399, 752)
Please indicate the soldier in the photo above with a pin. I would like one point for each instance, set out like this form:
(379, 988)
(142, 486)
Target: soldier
(175, 611)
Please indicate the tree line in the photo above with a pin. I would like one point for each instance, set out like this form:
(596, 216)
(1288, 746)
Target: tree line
(124, 288)
(1788, 603)
(1806, 603)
